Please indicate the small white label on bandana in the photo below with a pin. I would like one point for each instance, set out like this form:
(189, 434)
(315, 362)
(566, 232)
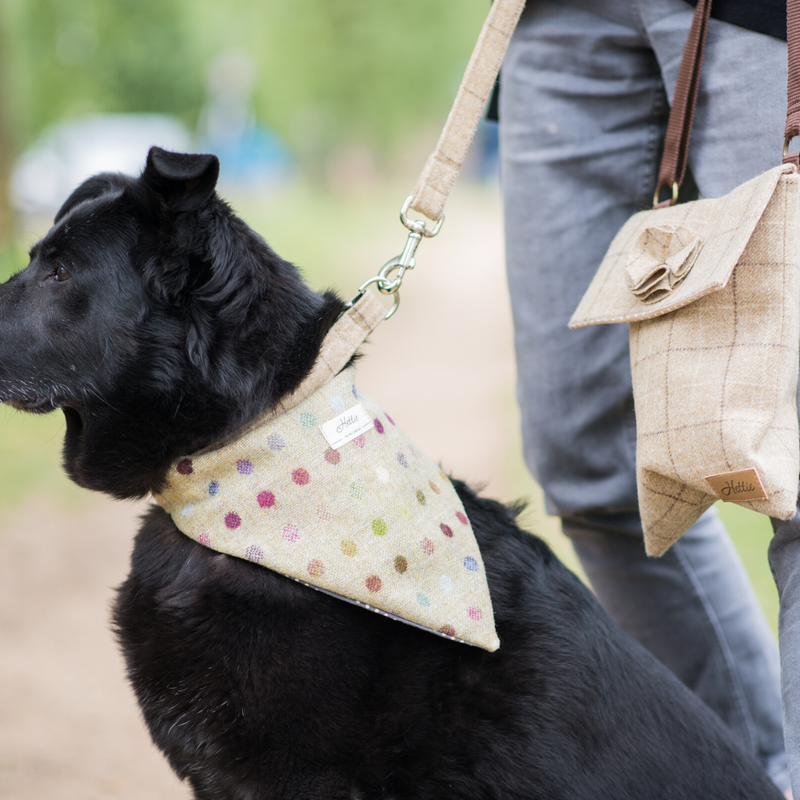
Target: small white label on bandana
(344, 428)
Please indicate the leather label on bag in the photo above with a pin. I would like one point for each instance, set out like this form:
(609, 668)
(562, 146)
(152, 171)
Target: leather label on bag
(733, 487)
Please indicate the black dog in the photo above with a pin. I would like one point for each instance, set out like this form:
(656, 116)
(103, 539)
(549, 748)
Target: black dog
(160, 323)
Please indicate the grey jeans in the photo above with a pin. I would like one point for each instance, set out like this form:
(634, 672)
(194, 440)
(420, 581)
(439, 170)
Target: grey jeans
(583, 106)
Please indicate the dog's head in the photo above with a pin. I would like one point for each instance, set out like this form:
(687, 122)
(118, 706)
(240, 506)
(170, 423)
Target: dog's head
(156, 319)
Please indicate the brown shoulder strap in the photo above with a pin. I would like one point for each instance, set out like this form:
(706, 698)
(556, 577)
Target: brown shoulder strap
(679, 127)
(681, 115)
(793, 93)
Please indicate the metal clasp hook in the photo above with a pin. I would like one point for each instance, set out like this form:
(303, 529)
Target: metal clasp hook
(400, 264)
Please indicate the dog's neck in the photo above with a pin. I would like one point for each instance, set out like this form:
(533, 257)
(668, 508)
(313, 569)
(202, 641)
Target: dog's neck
(95, 458)
(342, 341)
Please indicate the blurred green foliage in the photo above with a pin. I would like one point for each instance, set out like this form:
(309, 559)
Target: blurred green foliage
(327, 71)
(61, 59)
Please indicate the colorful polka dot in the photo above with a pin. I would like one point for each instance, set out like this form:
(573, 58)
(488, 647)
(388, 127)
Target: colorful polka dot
(400, 564)
(446, 530)
(349, 548)
(383, 474)
(402, 461)
(204, 539)
(426, 545)
(232, 521)
(324, 513)
(471, 564)
(355, 392)
(390, 419)
(186, 510)
(316, 568)
(266, 499)
(337, 404)
(421, 497)
(446, 583)
(475, 613)
(245, 467)
(332, 456)
(434, 488)
(276, 443)
(254, 553)
(185, 467)
(308, 421)
(291, 533)
(213, 488)
(422, 599)
(447, 630)
(356, 491)
(374, 583)
(378, 425)
(301, 477)
(462, 517)
(360, 441)
(379, 527)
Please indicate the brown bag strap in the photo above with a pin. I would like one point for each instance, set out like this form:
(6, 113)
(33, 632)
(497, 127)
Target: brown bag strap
(681, 115)
(793, 92)
(679, 127)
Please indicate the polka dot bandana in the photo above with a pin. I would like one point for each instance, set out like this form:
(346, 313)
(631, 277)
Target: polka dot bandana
(374, 522)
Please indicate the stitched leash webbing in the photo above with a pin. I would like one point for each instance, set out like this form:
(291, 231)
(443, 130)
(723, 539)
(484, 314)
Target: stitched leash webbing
(341, 342)
(441, 170)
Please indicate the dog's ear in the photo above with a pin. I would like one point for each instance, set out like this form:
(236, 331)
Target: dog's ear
(93, 187)
(184, 181)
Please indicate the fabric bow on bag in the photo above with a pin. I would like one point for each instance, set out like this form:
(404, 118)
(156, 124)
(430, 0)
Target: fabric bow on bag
(661, 259)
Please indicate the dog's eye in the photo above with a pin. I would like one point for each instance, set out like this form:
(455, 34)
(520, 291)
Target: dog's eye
(62, 274)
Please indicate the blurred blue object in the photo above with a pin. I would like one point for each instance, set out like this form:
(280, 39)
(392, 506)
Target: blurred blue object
(251, 156)
(254, 158)
(72, 150)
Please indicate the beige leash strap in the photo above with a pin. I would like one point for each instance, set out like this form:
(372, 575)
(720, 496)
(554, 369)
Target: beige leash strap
(441, 170)
(443, 165)
(341, 342)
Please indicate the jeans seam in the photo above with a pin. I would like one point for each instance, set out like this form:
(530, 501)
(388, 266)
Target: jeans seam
(711, 617)
(655, 132)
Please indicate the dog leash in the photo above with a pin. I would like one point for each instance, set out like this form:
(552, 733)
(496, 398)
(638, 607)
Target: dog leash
(365, 312)
(442, 167)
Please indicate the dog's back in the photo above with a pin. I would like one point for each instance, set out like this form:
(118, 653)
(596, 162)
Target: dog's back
(250, 680)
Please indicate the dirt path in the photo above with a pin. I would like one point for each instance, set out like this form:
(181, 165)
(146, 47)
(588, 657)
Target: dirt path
(69, 727)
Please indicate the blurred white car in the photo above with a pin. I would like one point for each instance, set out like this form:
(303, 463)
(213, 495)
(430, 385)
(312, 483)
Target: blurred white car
(72, 150)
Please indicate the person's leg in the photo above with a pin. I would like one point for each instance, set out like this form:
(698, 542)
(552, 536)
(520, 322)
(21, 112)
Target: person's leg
(737, 134)
(784, 558)
(695, 610)
(582, 118)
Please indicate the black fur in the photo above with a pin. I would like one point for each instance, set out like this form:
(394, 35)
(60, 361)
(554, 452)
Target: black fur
(160, 323)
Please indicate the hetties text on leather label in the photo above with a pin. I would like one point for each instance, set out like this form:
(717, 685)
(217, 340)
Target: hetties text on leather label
(734, 487)
(344, 428)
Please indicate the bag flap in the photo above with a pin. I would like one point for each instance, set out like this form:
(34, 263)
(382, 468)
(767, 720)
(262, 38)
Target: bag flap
(666, 258)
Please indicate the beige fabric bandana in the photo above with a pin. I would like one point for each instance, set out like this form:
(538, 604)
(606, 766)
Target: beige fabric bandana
(370, 520)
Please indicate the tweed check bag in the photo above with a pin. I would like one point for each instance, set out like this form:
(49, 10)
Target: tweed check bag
(711, 295)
